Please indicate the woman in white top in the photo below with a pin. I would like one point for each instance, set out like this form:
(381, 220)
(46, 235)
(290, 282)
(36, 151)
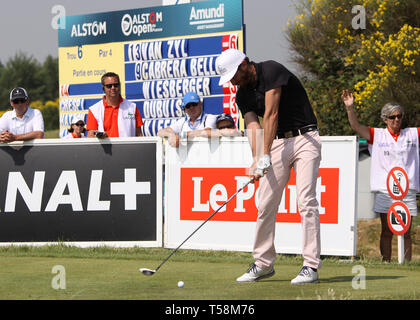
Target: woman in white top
(77, 129)
(389, 147)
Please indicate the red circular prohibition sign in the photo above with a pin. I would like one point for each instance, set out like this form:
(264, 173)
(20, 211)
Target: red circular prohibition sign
(396, 182)
(404, 224)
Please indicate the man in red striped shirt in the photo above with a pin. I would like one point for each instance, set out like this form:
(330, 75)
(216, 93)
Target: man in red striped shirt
(113, 116)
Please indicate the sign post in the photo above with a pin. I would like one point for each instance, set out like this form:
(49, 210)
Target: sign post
(401, 249)
(398, 217)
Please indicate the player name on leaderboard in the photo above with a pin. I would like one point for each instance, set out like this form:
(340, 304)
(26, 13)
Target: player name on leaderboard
(159, 73)
(169, 69)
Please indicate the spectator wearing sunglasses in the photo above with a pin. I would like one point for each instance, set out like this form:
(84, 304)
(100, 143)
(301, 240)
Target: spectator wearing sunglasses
(196, 123)
(226, 126)
(113, 116)
(77, 129)
(22, 123)
(389, 147)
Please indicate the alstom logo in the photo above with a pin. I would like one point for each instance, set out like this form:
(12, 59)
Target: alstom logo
(207, 15)
(94, 28)
(140, 23)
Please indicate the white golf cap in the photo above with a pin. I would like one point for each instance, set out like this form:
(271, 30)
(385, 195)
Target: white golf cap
(227, 64)
(77, 117)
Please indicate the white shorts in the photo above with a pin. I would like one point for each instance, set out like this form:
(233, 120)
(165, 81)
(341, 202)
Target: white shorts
(383, 201)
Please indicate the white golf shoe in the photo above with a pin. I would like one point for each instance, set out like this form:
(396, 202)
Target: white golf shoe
(306, 275)
(255, 273)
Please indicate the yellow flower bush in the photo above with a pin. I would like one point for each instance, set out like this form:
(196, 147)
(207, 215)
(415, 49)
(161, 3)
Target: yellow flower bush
(381, 63)
(396, 56)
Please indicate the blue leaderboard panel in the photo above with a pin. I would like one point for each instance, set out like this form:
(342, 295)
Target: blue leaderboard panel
(160, 53)
(158, 74)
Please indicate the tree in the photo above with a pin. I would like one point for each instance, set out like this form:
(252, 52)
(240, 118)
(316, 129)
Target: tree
(380, 61)
(22, 71)
(2, 105)
(50, 113)
(1, 68)
(40, 80)
(49, 77)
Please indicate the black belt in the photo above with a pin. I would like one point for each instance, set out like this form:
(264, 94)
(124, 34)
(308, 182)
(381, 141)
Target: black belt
(296, 132)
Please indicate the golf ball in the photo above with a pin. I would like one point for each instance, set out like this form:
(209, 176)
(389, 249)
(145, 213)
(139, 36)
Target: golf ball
(180, 284)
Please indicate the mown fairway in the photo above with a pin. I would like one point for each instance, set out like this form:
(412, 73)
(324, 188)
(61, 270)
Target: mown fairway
(104, 273)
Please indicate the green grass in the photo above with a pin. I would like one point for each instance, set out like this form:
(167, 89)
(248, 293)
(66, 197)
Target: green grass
(109, 273)
(415, 220)
(52, 134)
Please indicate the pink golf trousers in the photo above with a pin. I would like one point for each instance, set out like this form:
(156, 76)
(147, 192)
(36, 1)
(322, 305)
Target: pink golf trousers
(303, 154)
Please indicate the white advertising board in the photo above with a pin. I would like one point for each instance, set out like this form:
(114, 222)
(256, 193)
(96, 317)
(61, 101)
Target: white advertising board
(202, 174)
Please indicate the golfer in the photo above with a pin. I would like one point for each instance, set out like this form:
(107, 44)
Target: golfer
(291, 140)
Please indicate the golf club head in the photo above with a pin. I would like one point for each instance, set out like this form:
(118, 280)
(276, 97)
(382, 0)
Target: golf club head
(147, 272)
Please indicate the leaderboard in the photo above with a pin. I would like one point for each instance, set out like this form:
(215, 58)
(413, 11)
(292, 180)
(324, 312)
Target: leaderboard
(169, 51)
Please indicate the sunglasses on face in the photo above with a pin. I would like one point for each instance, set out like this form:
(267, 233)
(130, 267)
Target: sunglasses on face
(399, 116)
(79, 124)
(17, 101)
(192, 104)
(227, 127)
(109, 86)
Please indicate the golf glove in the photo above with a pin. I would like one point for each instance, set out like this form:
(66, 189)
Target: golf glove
(263, 165)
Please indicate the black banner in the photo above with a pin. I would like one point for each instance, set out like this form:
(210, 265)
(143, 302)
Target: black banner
(78, 192)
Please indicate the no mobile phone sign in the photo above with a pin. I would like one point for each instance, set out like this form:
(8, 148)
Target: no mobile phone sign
(398, 218)
(397, 183)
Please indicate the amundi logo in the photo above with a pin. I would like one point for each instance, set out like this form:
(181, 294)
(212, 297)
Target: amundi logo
(207, 15)
(140, 23)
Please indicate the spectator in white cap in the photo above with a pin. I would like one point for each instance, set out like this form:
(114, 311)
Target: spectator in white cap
(196, 123)
(77, 129)
(22, 123)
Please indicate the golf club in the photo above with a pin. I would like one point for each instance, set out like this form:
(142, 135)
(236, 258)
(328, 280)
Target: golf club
(149, 272)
